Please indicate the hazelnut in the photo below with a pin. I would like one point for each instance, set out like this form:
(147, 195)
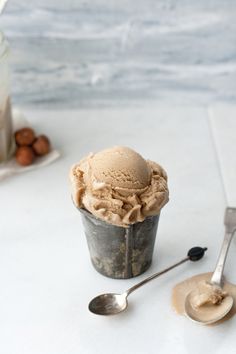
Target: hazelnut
(24, 137)
(41, 145)
(24, 155)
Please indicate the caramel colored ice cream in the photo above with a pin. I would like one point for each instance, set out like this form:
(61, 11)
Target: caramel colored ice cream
(207, 294)
(118, 186)
(207, 301)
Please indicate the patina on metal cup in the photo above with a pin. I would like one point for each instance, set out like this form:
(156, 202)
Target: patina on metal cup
(119, 252)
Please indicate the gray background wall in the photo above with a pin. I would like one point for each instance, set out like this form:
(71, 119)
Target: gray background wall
(103, 53)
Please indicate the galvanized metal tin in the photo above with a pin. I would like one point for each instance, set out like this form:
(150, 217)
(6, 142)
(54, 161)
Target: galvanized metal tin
(119, 252)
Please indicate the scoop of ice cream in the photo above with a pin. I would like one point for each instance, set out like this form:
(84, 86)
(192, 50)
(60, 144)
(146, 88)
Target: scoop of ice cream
(121, 167)
(118, 186)
(207, 294)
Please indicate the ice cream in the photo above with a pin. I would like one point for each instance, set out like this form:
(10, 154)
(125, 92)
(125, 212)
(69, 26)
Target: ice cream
(207, 294)
(206, 299)
(118, 186)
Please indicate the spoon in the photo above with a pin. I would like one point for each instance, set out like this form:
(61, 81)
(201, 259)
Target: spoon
(211, 314)
(112, 304)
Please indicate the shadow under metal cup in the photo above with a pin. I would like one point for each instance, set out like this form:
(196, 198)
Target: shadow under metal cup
(119, 252)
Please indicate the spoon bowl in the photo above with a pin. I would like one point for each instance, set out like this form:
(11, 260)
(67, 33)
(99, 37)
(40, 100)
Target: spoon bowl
(207, 314)
(213, 313)
(108, 304)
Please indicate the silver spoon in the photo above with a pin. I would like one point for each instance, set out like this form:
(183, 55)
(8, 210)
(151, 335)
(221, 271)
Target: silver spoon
(216, 312)
(112, 304)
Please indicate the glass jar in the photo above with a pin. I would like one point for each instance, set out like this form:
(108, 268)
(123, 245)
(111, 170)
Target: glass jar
(6, 129)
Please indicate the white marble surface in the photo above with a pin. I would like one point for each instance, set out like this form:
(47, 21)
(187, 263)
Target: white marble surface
(45, 273)
(223, 122)
(80, 53)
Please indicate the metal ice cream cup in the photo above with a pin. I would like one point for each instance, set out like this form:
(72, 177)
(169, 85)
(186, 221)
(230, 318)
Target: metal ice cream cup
(119, 252)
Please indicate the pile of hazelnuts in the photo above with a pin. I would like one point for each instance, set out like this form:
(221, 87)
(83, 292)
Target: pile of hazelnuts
(29, 146)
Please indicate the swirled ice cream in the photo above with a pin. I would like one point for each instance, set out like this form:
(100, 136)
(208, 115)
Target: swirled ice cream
(118, 186)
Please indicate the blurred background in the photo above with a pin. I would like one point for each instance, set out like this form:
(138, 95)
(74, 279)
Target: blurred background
(71, 54)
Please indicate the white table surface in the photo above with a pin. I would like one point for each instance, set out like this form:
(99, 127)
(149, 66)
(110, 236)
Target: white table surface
(46, 276)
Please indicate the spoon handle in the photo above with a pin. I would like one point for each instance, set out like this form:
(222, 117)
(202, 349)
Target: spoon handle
(230, 228)
(129, 291)
(217, 276)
